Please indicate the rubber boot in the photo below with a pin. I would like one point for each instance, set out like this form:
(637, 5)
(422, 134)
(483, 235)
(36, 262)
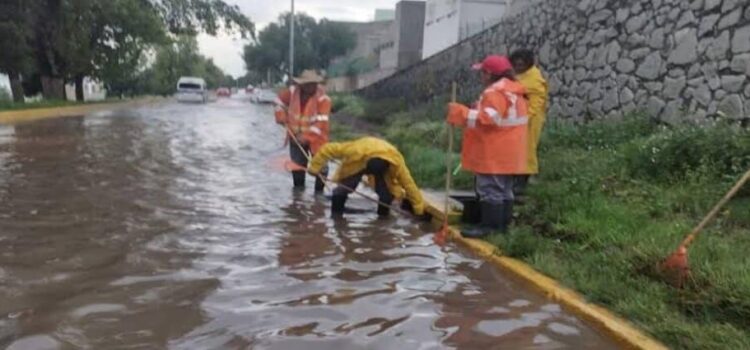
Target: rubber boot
(299, 179)
(520, 183)
(492, 220)
(320, 186)
(337, 206)
(507, 216)
(383, 211)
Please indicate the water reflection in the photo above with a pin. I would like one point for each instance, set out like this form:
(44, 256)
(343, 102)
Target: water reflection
(163, 227)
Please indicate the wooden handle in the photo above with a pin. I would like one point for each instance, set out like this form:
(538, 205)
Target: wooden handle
(327, 182)
(449, 158)
(715, 211)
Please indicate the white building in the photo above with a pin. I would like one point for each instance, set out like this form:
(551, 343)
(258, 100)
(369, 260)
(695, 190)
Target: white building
(92, 91)
(449, 21)
(5, 84)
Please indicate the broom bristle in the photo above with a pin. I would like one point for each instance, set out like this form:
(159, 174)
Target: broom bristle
(676, 269)
(441, 236)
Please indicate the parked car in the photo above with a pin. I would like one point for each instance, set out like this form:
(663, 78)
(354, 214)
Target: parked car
(264, 96)
(250, 89)
(223, 92)
(192, 89)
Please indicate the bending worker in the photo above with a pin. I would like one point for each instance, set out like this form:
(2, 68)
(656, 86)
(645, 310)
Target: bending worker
(304, 110)
(529, 75)
(494, 143)
(384, 167)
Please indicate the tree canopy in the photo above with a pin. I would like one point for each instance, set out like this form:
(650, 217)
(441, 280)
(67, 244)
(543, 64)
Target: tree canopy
(316, 44)
(175, 60)
(65, 40)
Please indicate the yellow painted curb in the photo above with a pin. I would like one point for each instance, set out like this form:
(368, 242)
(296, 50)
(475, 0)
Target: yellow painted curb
(28, 115)
(619, 329)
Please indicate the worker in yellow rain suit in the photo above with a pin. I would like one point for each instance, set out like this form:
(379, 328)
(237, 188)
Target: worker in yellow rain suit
(384, 167)
(529, 75)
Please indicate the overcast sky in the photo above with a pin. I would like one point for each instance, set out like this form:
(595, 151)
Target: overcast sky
(226, 51)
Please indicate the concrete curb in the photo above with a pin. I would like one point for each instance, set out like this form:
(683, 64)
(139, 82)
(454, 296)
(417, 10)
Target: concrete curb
(619, 329)
(28, 115)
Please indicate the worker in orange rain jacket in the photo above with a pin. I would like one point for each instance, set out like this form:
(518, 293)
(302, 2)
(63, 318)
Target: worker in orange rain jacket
(529, 75)
(304, 109)
(494, 143)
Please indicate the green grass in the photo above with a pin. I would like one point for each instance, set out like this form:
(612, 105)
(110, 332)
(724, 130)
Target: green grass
(614, 199)
(6, 105)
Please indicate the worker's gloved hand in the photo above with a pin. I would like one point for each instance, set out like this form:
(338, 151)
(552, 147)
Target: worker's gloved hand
(407, 206)
(303, 141)
(313, 172)
(457, 114)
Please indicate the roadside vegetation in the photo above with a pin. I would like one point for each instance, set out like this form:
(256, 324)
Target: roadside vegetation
(613, 199)
(8, 105)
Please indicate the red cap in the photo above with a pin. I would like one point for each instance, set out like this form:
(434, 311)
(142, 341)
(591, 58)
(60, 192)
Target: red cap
(494, 65)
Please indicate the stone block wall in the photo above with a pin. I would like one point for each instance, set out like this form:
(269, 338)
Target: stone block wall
(677, 60)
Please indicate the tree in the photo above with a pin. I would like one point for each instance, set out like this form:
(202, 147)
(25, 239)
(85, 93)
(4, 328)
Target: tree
(108, 33)
(177, 59)
(70, 39)
(15, 33)
(316, 44)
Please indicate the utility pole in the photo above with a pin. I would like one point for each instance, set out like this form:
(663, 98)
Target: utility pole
(291, 43)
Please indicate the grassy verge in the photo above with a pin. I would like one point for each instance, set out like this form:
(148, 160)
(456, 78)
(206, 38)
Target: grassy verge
(13, 106)
(612, 200)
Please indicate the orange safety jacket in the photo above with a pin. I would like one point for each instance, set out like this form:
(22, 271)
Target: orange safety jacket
(495, 139)
(309, 125)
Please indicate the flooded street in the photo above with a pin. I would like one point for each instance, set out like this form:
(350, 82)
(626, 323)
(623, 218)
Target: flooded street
(172, 226)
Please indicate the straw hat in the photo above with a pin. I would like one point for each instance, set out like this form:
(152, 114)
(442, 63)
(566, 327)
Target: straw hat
(309, 76)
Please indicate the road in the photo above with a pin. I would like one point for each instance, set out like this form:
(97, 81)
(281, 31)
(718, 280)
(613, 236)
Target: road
(173, 226)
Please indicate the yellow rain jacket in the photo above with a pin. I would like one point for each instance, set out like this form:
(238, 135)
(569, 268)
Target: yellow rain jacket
(354, 156)
(537, 94)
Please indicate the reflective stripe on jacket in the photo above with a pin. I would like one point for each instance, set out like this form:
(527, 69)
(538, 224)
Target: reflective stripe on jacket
(537, 94)
(495, 138)
(354, 156)
(310, 125)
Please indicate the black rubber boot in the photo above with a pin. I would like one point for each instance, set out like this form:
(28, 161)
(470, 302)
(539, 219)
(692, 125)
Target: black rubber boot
(320, 186)
(299, 179)
(383, 211)
(338, 204)
(507, 216)
(492, 221)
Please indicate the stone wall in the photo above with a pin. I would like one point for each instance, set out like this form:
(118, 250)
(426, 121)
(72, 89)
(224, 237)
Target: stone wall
(674, 59)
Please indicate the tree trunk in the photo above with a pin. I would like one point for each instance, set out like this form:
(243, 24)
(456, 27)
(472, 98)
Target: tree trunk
(16, 87)
(79, 88)
(53, 88)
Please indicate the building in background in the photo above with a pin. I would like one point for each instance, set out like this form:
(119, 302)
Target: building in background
(516, 6)
(409, 36)
(92, 91)
(404, 45)
(383, 47)
(385, 15)
(5, 85)
(449, 21)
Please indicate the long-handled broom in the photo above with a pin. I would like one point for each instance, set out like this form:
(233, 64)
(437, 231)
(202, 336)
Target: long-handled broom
(676, 268)
(294, 167)
(442, 235)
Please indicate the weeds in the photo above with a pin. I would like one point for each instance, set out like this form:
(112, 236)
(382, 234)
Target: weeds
(612, 200)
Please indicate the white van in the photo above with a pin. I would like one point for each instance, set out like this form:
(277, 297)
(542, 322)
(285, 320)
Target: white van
(192, 89)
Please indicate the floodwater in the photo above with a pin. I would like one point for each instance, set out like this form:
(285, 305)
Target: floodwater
(172, 226)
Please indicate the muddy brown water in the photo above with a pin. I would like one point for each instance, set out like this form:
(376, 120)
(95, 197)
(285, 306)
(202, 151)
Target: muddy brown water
(172, 226)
